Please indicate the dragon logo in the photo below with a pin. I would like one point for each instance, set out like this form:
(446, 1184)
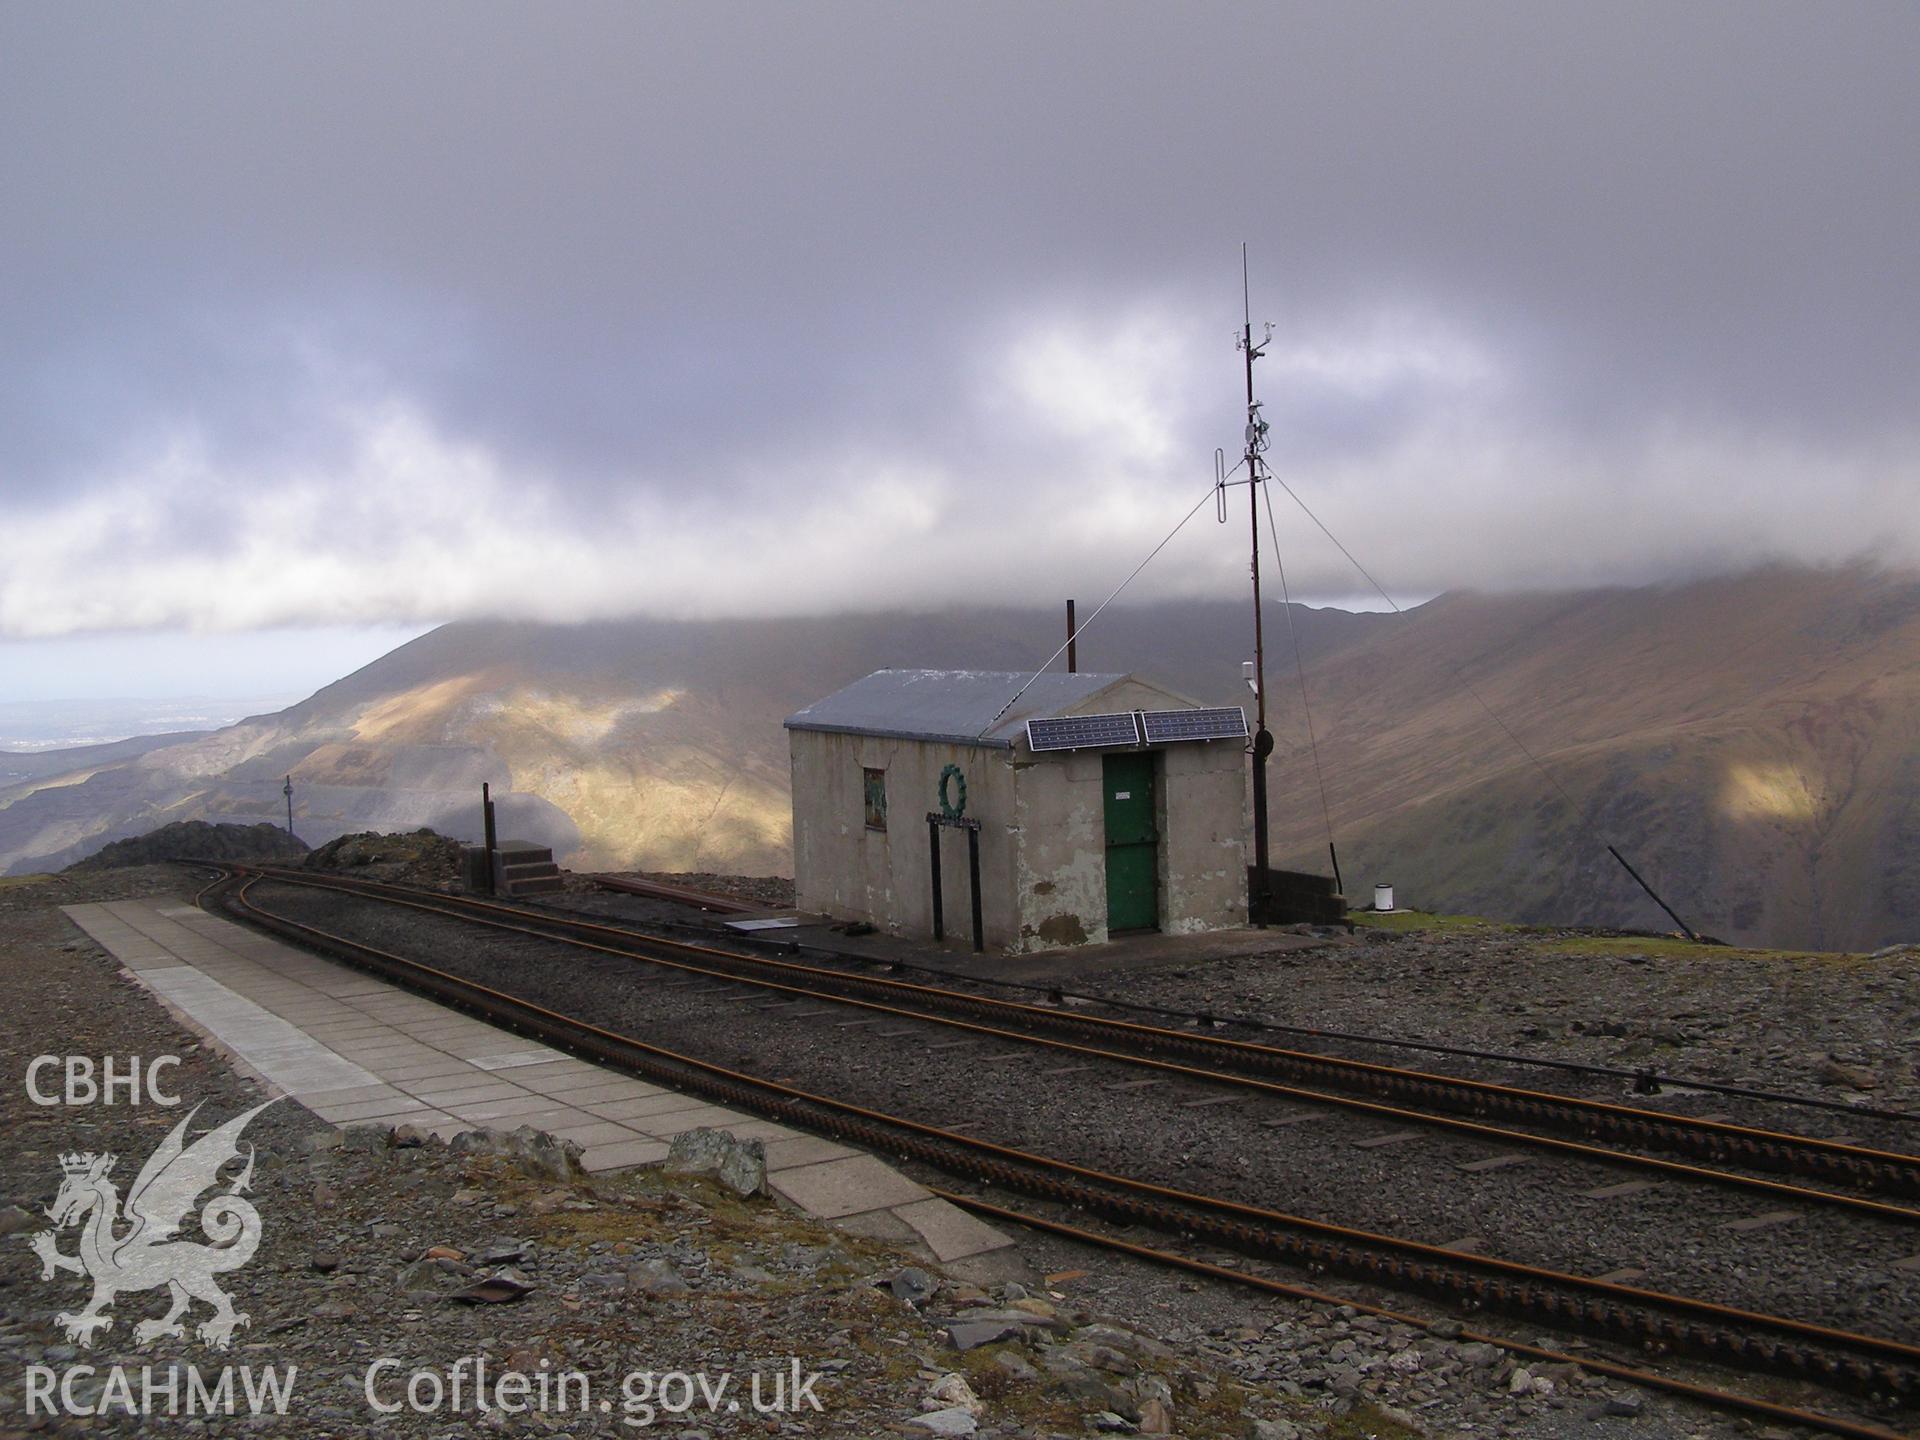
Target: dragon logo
(136, 1249)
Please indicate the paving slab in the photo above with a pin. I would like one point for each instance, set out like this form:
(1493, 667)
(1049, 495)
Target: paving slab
(262, 1039)
(807, 1150)
(667, 1102)
(369, 1110)
(598, 1132)
(707, 1117)
(514, 1111)
(553, 1080)
(615, 1090)
(762, 1130)
(454, 1093)
(846, 1187)
(354, 1049)
(352, 1095)
(516, 1060)
(950, 1232)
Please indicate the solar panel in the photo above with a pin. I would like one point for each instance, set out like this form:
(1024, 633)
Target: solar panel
(1083, 732)
(1227, 723)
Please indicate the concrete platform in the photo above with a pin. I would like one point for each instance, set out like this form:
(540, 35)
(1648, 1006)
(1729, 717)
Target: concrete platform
(356, 1050)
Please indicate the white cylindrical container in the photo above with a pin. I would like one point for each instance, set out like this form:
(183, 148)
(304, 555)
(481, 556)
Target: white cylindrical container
(1383, 896)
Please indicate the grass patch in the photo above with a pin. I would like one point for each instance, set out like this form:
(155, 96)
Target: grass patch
(1663, 948)
(1212, 1409)
(1369, 1422)
(1553, 942)
(1402, 922)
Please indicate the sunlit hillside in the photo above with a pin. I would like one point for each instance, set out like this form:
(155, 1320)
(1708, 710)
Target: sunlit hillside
(1751, 744)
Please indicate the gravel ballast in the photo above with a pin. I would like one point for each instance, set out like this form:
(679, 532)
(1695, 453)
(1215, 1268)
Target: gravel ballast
(368, 1235)
(1823, 1265)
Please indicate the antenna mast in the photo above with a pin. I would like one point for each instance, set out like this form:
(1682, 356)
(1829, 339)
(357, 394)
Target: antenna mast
(1262, 737)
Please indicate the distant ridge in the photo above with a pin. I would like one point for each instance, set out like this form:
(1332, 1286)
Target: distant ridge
(1752, 743)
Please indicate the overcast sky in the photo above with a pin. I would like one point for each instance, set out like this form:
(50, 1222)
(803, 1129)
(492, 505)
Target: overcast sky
(369, 316)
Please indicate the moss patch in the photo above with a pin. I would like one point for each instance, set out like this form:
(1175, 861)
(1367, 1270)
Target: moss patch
(1407, 921)
(1664, 948)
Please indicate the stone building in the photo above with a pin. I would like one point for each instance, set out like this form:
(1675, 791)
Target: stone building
(1102, 804)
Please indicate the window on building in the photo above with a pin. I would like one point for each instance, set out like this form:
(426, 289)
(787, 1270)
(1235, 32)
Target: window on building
(876, 788)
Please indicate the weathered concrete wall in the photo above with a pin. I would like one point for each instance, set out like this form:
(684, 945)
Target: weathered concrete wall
(1203, 847)
(1042, 842)
(882, 877)
(1062, 875)
(1200, 796)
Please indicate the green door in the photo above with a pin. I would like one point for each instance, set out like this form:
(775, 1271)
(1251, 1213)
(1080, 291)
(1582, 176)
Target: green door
(1133, 845)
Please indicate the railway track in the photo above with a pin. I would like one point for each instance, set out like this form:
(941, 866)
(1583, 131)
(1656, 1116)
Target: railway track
(1884, 1369)
(1875, 1181)
(1643, 1079)
(678, 894)
(1714, 1396)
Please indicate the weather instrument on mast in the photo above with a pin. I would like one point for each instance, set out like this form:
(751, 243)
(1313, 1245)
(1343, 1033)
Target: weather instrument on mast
(1256, 445)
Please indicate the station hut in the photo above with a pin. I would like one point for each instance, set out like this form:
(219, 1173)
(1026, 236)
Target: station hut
(1100, 805)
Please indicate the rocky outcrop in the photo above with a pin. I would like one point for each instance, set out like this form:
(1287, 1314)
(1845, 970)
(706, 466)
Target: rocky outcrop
(196, 840)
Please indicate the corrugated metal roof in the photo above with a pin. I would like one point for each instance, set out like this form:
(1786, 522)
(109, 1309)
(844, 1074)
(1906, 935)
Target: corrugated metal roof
(955, 706)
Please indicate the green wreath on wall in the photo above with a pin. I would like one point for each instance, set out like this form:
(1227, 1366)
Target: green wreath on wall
(953, 807)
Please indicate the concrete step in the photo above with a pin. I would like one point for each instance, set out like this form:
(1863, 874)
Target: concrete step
(530, 871)
(523, 868)
(523, 852)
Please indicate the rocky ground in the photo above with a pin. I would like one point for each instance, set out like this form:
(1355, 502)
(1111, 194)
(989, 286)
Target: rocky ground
(382, 1246)
(39, 896)
(771, 891)
(1838, 1027)
(418, 857)
(1834, 1268)
(196, 840)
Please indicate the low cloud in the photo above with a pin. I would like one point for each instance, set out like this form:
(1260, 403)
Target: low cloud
(1098, 436)
(315, 318)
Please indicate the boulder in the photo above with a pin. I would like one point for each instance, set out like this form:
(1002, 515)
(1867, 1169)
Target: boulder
(957, 1420)
(740, 1165)
(535, 1152)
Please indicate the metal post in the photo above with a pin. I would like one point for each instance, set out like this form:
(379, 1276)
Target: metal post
(486, 820)
(1650, 890)
(1262, 740)
(1073, 644)
(289, 795)
(939, 900)
(1258, 900)
(973, 875)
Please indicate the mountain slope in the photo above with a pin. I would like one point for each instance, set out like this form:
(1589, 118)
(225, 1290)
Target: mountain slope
(1752, 744)
(639, 743)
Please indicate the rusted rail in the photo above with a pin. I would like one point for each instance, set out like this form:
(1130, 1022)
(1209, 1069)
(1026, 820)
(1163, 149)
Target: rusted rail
(1585, 1128)
(680, 894)
(1777, 1345)
(1710, 1395)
